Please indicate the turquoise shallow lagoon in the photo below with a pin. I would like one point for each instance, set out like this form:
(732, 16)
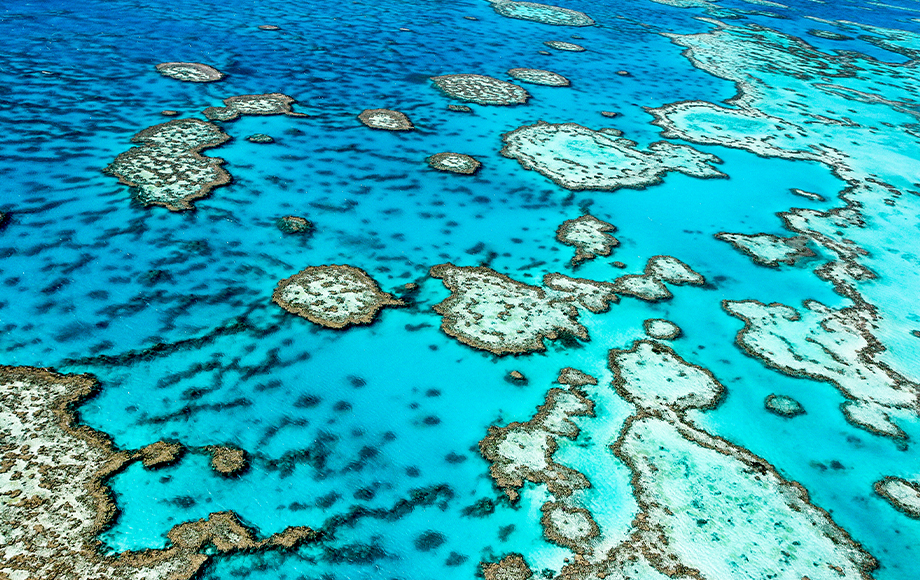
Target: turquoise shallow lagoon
(370, 434)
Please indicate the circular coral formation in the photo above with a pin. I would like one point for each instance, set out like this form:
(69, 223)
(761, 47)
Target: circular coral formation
(386, 120)
(543, 13)
(454, 163)
(783, 406)
(192, 72)
(539, 77)
(293, 224)
(661, 329)
(260, 138)
(333, 296)
(161, 454)
(481, 89)
(227, 460)
(566, 46)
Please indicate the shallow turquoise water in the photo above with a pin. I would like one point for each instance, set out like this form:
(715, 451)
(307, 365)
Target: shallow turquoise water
(361, 419)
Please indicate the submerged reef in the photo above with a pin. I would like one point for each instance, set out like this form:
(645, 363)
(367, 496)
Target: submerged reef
(294, 224)
(227, 460)
(543, 13)
(333, 296)
(589, 236)
(783, 406)
(261, 138)
(650, 286)
(661, 329)
(539, 77)
(385, 119)
(827, 345)
(523, 452)
(481, 89)
(578, 158)
(167, 169)
(903, 495)
(564, 46)
(53, 479)
(707, 508)
(768, 249)
(775, 74)
(454, 163)
(490, 311)
(193, 72)
(266, 104)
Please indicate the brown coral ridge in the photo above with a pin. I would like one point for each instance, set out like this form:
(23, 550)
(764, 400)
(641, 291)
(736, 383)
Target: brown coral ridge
(264, 104)
(167, 168)
(385, 119)
(54, 474)
(789, 250)
(511, 567)
(334, 296)
(649, 285)
(909, 509)
(589, 236)
(541, 430)
(228, 460)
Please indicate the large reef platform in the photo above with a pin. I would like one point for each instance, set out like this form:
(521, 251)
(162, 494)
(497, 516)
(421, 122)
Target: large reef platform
(54, 500)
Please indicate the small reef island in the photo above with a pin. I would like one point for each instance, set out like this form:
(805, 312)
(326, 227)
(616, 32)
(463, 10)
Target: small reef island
(503, 289)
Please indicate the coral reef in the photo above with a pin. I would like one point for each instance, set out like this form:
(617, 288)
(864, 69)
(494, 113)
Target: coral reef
(661, 329)
(564, 46)
(903, 495)
(266, 104)
(294, 224)
(768, 249)
(454, 163)
(193, 72)
(650, 285)
(481, 89)
(783, 406)
(589, 236)
(492, 312)
(539, 77)
(385, 119)
(335, 296)
(53, 477)
(542, 13)
(578, 158)
(167, 169)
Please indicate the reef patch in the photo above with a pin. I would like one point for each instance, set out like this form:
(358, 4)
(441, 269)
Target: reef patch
(542, 13)
(454, 163)
(903, 495)
(386, 119)
(167, 169)
(539, 77)
(265, 104)
(490, 311)
(334, 296)
(481, 89)
(589, 236)
(768, 249)
(661, 329)
(192, 72)
(579, 158)
(650, 285)
(564, 46)
(783, 405)
(53, 478)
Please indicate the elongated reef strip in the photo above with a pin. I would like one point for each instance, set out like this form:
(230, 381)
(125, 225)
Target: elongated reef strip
(193, 72)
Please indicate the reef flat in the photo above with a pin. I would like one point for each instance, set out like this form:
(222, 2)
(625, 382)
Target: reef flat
(542, 13)
(193, 72)
(576, 157)
(266, 104)
(903, 495)
(334, 296)
(707, 508)
(650, 285)
(55, 501)
(589, 236)
(167, 168)
(768, 249)
(385, 119)
(481, 89)
(539, 77)
(454, 163)
(490, 311)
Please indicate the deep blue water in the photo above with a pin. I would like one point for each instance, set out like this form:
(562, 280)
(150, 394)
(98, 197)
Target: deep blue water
(85, 271)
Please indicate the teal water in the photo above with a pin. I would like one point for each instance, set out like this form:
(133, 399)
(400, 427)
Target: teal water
(342, 426)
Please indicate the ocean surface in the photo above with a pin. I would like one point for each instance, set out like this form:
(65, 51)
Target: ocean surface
(172, 311)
